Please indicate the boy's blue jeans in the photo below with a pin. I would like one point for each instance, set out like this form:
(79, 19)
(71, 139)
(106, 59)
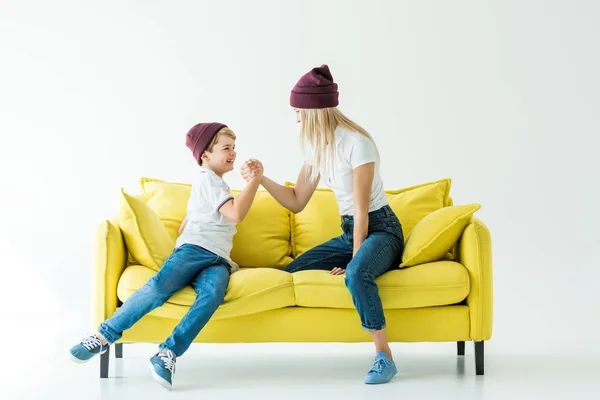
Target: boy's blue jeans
(188, 264)
(380, 252)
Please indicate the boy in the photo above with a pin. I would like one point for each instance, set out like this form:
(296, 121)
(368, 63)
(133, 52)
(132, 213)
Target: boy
(201, 256)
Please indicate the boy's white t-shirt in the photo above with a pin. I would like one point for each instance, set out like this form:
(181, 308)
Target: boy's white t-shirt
(206, 226)
(352, 150)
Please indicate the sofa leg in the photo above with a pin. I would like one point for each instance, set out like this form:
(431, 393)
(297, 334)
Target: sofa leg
(104, 358)
(479, 358)
(460, 348)
(119, 350)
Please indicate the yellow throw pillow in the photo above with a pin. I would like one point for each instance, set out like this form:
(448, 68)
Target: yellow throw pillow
(320, 220)
(168, 200)
(145, 236)
(414, 203)
(435, 235)
(262, 238)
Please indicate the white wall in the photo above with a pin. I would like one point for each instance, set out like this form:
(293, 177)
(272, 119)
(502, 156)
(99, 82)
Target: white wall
(500, 96)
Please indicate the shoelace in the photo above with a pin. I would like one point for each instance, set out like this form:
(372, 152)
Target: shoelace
(378, 366)
(91, 342)
(169, 361)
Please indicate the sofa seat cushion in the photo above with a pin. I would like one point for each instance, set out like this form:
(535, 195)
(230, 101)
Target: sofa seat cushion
(425, 285)
(250, 290)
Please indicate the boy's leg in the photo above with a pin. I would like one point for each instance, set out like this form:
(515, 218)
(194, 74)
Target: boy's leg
(176, 272)
(336, 252)
(210, 285)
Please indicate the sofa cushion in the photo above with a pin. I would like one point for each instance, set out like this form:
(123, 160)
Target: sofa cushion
(436, 234)
(168, 200)
(414, 203)
(262, 238)
(320, 219)
(434, 284)
(145, 236)
(250, 290)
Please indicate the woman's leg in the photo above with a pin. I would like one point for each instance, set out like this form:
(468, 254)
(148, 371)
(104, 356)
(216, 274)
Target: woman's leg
(336, 252)
(380, 252)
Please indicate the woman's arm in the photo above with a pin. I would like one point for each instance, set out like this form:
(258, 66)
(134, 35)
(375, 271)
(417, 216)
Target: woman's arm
(293, 198)
(362, 180)
(362, 183)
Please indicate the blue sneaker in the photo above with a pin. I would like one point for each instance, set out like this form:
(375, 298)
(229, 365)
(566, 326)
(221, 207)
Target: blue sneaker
(87, 348)
(162, 366)
(382, 371)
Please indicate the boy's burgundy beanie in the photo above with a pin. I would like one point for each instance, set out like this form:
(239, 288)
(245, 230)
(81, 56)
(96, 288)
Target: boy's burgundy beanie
(199, 137)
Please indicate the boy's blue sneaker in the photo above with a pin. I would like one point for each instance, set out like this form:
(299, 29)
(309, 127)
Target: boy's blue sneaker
(162, 366)
(87, 348)
(382, 371)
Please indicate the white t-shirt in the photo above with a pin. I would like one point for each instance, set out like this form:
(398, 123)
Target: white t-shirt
(352, 150)
(206, 226)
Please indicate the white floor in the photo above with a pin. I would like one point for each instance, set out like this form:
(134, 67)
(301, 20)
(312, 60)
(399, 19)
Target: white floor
(299, 371)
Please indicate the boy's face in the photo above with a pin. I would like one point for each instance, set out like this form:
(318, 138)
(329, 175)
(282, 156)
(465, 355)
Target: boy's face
(222, 156)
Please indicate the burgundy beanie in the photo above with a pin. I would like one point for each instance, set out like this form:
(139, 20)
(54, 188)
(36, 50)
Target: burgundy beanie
(315, 89)
(199, 137)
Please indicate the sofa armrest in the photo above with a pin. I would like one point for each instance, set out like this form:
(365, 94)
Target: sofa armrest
(475, 253)
(110, 261)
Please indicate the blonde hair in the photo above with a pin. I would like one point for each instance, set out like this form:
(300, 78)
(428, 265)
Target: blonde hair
(222, 132)
(318, 129)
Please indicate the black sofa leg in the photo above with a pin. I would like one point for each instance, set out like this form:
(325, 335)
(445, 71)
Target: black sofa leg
(479, 358)
(119, 350)
(460, 348)
(104, 358)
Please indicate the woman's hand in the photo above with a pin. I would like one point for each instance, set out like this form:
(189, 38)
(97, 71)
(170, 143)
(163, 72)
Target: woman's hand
(251, 169)
(337, 271)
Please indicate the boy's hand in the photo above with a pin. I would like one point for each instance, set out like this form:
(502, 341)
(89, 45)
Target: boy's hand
(252, 169)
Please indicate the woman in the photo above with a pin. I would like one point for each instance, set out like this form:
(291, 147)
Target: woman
(344, 156)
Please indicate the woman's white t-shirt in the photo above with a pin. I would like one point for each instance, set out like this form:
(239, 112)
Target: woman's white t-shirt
(352, 150)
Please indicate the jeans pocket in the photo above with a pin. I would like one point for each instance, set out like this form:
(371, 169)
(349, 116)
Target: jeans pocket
(395, 228)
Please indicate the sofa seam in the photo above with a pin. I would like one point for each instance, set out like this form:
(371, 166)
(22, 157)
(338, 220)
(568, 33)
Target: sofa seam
(390, 287)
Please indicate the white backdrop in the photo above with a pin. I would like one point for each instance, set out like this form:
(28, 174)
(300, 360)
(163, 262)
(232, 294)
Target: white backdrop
(500, 96)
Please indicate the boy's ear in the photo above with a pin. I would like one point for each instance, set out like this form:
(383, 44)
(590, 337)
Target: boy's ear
(204, 156)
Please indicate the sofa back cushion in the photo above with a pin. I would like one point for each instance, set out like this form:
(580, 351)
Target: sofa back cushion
(262, 238)
(320, 219)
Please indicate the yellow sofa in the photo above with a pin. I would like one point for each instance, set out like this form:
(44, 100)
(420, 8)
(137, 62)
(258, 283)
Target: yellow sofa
(444, 295)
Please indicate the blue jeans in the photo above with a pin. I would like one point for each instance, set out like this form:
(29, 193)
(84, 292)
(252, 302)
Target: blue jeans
(188, 264)
(380, 252)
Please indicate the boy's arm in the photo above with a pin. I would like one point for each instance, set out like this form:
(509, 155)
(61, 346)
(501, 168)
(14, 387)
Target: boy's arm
(236, 209)
(182, 227)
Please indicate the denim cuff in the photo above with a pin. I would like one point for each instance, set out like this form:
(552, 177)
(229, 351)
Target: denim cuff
(106, 335)
(374, 327)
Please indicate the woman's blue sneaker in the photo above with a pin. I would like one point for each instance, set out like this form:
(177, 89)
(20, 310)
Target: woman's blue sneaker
(87, 348)
(162, 366)
(382, 371)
